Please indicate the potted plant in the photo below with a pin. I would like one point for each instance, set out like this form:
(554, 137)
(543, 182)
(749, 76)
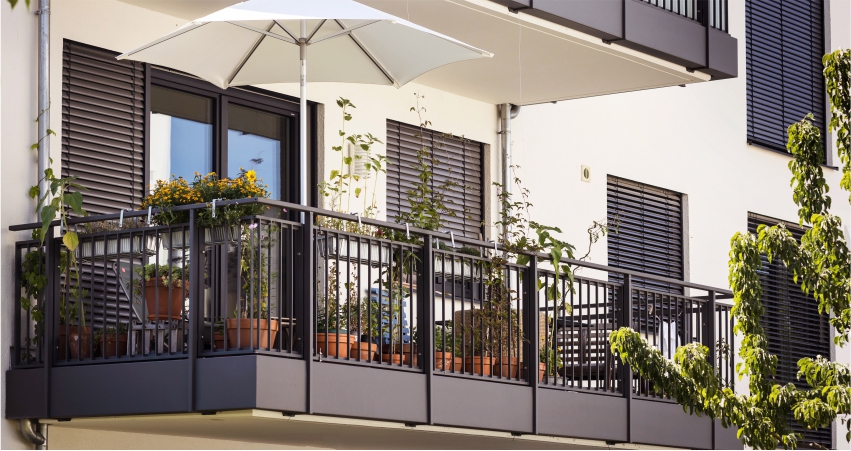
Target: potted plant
(550, 363)
(165, 289)
(447, 348)
(253, 313)
(333, 338)
(221, 225)
(97, 241)
(111, 341)
(166, 195)
(219, 335)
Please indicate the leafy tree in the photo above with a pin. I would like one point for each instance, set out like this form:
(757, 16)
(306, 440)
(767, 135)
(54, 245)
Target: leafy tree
(821, 265)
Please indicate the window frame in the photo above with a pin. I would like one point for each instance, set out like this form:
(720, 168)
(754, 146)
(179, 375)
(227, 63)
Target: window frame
(248, 97)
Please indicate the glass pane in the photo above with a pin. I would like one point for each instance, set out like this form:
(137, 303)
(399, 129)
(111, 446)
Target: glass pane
(181, 134)
(256, 140)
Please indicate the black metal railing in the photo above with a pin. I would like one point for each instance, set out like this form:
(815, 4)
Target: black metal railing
(713, 11)
(346, 290)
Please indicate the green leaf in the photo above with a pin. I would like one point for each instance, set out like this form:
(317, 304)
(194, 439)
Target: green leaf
(34, 192)
(75, 201)
(71, 240)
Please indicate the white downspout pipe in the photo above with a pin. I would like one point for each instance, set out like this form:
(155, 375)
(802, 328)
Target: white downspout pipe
(507, 112)
(43, 93)
(34, 432)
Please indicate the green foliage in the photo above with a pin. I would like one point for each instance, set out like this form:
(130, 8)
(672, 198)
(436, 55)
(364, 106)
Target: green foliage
(167, 275)
(837, 71)
(821, 265)
(14, 3)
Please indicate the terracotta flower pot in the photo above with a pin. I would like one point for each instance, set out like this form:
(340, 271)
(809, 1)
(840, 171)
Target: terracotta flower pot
(159, 297)
(218, 340)
(260, 327)
(479, 365)
(507, 367)
(443, 361)
(64, 340)
(395, 359)
(542, 370)
(338, 344)
(111, 348)
(365, 351)
(407, 353)
(80, 346)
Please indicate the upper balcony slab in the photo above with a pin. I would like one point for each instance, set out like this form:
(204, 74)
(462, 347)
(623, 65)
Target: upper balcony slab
(537, 58)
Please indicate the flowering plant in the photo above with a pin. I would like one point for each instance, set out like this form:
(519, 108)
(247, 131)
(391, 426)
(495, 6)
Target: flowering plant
(168, 194)
(210, 187)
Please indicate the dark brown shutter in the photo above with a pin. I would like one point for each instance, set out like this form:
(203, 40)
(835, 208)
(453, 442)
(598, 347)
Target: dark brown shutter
(785, 45)
(792, 322)
(103, 124)
(649, 235)
(458, 159)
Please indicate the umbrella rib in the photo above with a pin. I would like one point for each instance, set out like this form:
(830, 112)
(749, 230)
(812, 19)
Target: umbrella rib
(248, 55)
(344, 30)
(161, 40)
(369, 55)
(312, 33)
(257, 30)
(286, 30)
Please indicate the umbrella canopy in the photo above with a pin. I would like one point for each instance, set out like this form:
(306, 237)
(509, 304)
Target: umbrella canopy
(270, 41)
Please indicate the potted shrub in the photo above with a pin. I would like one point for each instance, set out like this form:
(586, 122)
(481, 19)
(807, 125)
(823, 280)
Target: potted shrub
(549, 359)
(165, 289)
(112, 342)
(333, 338)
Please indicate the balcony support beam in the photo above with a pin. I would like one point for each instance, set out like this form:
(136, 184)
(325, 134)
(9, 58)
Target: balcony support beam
(426, 301)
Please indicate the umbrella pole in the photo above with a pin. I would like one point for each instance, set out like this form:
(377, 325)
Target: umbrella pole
(303, 117)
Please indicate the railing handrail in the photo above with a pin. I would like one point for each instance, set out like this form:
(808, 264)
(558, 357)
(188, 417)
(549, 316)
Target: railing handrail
(377, 223)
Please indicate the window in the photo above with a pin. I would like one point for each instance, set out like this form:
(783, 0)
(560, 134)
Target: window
(126, 125)
(792, 323)
(785, 44)
(649, 234)
(198, 128)
(459, 160)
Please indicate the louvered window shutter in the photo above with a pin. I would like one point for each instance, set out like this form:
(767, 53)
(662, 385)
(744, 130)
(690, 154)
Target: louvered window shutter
(103, 124)
(649, 236)
(459, 160)
(792, 323)
(785, 45)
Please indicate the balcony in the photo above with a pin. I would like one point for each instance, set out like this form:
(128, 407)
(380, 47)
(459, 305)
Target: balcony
(346, 317)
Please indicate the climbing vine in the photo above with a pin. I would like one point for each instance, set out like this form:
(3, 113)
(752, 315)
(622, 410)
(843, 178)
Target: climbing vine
(821, 265)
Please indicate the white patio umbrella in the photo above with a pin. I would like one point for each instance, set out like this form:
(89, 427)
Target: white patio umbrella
(269, 41)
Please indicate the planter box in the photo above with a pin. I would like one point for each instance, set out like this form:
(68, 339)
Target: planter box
(176, 239)
(99, 246)
(371, 252)
(222, 234)
(455, 269)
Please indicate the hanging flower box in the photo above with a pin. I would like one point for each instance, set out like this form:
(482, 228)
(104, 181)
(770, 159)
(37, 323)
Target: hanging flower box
(92, 246)
(363, 251)
(175, 239)
(457, 268)
(221, 234)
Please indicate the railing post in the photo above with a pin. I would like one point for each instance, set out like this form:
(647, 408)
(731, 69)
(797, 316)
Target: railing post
(425, 282)
(626, 371)
(307, 321)
(196, 282)
(51, 310)
(533, 345)
(709, 338)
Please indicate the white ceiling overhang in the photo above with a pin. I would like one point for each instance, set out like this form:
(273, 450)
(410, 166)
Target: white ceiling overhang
(535, 61)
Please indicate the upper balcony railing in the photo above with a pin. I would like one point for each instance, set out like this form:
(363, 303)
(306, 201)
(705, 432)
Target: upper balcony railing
(347, 290)
(715, 11)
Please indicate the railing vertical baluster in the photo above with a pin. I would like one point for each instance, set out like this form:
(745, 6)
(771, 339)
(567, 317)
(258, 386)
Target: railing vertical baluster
(532, 318)
(626, 371)
(308, 300)
(425, 280)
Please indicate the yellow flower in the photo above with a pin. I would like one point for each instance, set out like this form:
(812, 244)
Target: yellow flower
(251, 175)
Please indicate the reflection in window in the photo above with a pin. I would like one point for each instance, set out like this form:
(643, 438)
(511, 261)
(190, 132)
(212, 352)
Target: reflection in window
(254, 142)
(181, 134)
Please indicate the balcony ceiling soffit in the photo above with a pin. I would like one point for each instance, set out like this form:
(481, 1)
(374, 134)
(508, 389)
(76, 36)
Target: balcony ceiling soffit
(558, 63)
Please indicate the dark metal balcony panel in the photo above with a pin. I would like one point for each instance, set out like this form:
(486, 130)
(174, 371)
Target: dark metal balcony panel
(582, 415)
(373, 393)
(726, 438)
(723, 55)
(600, 18)
(25, 394)
(482, 404)
(665, 34)
(135, 388)
(665, 424)
(251, 382)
